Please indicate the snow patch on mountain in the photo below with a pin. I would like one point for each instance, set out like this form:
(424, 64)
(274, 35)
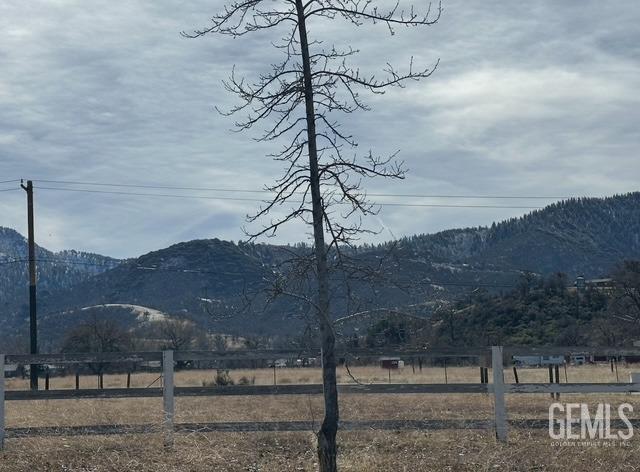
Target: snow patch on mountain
(142, 312)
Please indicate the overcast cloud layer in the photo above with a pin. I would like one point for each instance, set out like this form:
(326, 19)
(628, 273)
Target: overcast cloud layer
(530, 98)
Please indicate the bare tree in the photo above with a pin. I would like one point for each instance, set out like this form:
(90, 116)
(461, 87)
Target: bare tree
(97, 334)
(178, 334)
(624, 305)
(302, 95)
(219, 343)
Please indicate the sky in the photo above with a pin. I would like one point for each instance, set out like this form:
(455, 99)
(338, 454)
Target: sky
(528, 99)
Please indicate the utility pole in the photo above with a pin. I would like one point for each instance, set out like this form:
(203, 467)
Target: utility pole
(33, 319)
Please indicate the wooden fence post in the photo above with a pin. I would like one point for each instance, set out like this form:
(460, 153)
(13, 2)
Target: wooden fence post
(498, 393)
(446, 380)
(167, 397)
(1, 401)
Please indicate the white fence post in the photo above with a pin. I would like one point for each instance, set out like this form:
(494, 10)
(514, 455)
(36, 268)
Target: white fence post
(1, 401)
(167, 397)
(498, 393)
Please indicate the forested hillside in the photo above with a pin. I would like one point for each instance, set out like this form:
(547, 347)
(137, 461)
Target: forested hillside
(229, 288)
(538, 311)
(578, 236)
(55, 271)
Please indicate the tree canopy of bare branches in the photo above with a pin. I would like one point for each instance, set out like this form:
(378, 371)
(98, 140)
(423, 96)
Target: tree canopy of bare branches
(625, 304)
(301, 98)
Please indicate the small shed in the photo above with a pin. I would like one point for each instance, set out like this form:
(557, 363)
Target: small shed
(391, 363)
(12, 370)
(579, 358)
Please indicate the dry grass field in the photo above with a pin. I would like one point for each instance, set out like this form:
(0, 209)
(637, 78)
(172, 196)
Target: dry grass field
(364, 450)
(366, 374)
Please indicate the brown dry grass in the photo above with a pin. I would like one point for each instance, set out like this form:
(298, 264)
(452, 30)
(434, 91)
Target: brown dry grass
(359, 451)
(367, 374)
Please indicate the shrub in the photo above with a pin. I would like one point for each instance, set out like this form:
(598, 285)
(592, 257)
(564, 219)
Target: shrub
(221, 379)
(247, 381)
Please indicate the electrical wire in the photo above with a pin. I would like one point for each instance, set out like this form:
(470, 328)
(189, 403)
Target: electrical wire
(202, 271)
(154, 187)
(110, 262)
(205, 197)
(238, 190)
(15, 261)
(113, 264)
(139, 194)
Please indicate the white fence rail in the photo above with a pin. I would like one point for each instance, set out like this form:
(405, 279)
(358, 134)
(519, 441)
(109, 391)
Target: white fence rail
(169, 391)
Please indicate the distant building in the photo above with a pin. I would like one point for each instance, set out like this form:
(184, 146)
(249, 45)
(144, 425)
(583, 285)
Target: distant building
(580, 358)
(600, 284)
(391, 363)
(311, 362)
(581, 284)
(13, 370)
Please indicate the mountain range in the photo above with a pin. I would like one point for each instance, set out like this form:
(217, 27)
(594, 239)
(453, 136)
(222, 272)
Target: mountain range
(210, 281)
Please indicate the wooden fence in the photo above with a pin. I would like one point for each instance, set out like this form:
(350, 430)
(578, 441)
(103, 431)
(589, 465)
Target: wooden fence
(169, 391)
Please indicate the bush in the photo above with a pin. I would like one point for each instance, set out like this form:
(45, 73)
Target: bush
(222, 379)
(247, 381)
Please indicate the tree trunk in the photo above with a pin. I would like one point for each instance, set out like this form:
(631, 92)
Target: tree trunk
(327, 451)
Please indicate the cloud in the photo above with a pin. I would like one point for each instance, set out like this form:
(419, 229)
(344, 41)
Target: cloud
(534, 98)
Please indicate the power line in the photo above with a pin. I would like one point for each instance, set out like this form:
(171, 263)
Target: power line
(115, 192)
(436, 205)
(188, 271)
(15, 261)
(239, 190)
(155, 187)
(205, 197)
(469, 284)
(489, 197)
(203, 271)
(8, 189)
(113, 264)
(9, 181)
(62, 261)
